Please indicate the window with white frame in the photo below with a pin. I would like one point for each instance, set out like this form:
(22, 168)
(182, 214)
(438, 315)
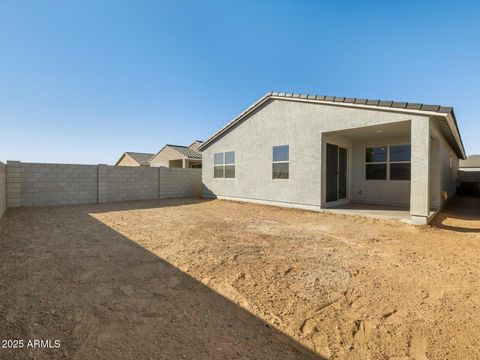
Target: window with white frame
(389, 162)
(281, 162)
(224, 165)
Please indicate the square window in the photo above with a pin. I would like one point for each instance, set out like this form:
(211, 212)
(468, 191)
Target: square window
(224, 165)
(280, 153)
(229, 171)
(376, 154)
(230, 157)
(376, 171)
(400, 153)
(218, 171)
(280, 170)
(400, 171)
(218, 158)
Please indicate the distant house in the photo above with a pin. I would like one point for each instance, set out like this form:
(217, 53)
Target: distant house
(472, 163)
(469, 176)
(195, 145)
(317, 152)
(178, 156)
(134, 159)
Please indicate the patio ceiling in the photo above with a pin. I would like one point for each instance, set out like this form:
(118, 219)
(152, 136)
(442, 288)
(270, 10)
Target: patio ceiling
(389, 130)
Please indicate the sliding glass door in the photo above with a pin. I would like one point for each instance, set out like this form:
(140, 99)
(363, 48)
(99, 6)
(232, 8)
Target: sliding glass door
(336, 173)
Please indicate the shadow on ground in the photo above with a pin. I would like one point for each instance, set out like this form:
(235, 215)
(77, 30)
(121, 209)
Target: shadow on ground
(74, 279)
(462, 214)
(144, 204)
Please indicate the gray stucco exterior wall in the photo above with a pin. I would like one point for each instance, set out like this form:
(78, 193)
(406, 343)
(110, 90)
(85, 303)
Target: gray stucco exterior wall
(444, 170)
(307, 128)
(299, 125)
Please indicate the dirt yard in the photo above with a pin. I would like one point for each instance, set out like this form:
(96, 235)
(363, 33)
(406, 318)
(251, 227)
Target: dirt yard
(223, 280)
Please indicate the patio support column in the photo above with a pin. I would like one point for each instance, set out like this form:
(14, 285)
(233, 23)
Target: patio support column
(435, 174)
(420, 171)
(323, 170)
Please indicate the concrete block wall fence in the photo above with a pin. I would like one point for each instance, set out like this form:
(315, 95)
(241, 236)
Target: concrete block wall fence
(124, 183)
(178, 182)
(3, 188)
(40, 184)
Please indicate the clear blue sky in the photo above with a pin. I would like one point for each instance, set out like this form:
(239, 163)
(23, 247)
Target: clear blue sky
(82, 82)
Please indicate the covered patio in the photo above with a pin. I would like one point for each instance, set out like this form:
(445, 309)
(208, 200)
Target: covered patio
(383, 171)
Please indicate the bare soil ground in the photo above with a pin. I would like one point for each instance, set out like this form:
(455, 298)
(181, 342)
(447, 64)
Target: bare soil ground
(201, 279)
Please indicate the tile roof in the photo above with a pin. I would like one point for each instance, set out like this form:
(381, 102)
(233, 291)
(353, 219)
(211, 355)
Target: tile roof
(141, 158)
(195, 145)
(382, 103)
(186, 151)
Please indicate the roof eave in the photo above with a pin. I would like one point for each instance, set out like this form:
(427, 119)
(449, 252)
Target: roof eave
(452, 122)
(120, 159)
(250, 109)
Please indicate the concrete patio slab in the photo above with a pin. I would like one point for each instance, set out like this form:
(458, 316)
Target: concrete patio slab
(380, 211)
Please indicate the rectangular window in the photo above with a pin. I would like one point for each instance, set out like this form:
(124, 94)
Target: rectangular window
(230, 171)
(376, 163)
(388, 162)
(376, 171)
(218, 158)
(218, 172)
(281, 162)
(224, 165)
(376, 154)
(230, 157)
(400, 171)
(399, 158)
(400, 153)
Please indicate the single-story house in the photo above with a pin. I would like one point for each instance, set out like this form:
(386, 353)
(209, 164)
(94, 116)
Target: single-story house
(469, 176)
(134, 159)
(320, 152)
(178, 156)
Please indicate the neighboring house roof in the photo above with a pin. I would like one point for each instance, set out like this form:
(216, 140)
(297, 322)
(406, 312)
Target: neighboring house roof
(195, 145)
(184, 152)
(473, 161)
(140, 158)
(444, 111)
